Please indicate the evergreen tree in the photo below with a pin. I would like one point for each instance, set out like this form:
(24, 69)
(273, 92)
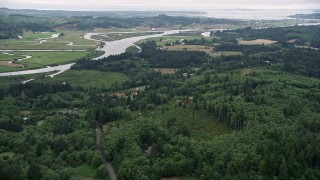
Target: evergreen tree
(283, 169)
(34, 172)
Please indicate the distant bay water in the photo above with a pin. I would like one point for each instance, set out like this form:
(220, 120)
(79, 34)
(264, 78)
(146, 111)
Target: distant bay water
(255, 14)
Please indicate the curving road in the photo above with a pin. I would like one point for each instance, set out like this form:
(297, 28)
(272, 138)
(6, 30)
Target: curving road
(106, 163)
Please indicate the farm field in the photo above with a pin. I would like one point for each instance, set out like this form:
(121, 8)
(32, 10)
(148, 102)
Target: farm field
(9, 56)
(161, 41)
(209, 50)
(84, 171)
(41, 59)
(202, 48)
(255, 42)
(204, 126)
(71, 40)
(165, 70)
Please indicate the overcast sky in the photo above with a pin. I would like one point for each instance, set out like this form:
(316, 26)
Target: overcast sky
(159, 4)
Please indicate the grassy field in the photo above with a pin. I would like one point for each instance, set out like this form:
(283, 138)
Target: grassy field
(36, 35)
(9, 56)
(47, 58)
(209, 50)
(256, 41)
(77, 38)
(7, 64)
(118, 36)
(188, 33)
(88, 78)
(165, 70)
(84, 172)
(101, 38)
(31, 41)
(205, 126)
(247, 71)
(161, 41)
(202, 48)
(6, 155)
(115, 29)
(42, 59)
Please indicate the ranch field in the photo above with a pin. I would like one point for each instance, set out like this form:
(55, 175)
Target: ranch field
(165, 70)
(71, 40)
(255, 42)
(40, 59)
(207, 49)
(161, 41)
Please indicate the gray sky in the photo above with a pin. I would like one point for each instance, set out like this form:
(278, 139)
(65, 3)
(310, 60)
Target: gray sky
(159, 4)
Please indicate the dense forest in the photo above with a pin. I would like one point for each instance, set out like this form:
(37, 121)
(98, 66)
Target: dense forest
(302, 34)
(249, 116)
(14, 25)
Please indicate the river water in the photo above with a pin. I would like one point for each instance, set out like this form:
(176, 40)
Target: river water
(256, 14)
(110, 48)
(60, 68)
(120, 46)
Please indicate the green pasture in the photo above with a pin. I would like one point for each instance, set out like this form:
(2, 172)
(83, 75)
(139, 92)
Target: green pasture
(5, 155)
(36, 35)
(43, 59)
(203, 127)
(161, 41)
(84, 171)
(9, 57)
(32, 40)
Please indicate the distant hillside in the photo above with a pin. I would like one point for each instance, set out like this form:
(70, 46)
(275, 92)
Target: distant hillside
(60, 13)
(14, 22)
(307, 16)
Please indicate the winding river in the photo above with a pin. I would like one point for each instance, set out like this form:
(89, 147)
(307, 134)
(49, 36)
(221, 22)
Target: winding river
(120, 46)
(60, 69)
(110, 48)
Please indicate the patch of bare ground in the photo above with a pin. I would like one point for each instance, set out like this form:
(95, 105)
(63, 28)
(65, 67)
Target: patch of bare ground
(7, 64)
(202, 48)
(170, 178)
(207, 49)
(292, 40)
(255, 42)
(165, 70)
(132, 92)
(247, 71)
(307, 47)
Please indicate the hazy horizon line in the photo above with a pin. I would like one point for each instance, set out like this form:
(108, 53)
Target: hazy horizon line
(176, 10)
